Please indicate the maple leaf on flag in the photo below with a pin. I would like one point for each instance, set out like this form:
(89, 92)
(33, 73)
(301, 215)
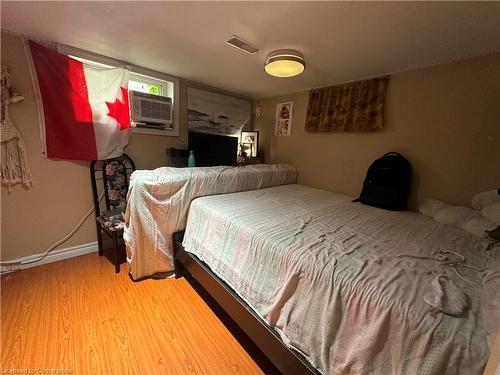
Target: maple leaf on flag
(119, 110)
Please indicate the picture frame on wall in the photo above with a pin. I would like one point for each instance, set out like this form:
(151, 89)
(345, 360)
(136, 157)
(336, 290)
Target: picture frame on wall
(213, 113)
(250, 139)
(283, 126)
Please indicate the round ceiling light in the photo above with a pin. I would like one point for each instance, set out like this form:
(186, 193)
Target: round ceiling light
(285, 63)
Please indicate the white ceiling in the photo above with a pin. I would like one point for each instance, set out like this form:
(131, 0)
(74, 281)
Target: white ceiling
(341, 41)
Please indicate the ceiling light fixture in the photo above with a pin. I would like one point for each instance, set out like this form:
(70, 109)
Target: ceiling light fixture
(284, 63)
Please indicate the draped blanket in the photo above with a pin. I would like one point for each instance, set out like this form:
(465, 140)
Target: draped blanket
(158, 202)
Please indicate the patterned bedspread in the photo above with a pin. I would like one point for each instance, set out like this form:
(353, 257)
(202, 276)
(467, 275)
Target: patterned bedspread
(344, 283)
(158, 201)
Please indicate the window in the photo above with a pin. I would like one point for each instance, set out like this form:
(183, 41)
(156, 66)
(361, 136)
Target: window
(150, 85)
(137, 82)
(148, 88)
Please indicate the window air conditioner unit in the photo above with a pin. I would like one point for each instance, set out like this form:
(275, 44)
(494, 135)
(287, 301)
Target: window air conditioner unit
(151, 111)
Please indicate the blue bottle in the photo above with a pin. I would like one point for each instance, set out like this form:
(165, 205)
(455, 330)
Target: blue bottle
(191, 162)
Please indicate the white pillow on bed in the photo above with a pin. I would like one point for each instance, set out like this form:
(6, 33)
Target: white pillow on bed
(463, 217)
(479, 226)
(430, 207)
(492, 212)
(481, 200)
(456, 215)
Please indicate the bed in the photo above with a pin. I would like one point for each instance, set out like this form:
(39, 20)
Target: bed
(344, 285)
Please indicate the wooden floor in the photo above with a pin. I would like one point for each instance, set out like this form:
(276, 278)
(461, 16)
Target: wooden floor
(79, 315)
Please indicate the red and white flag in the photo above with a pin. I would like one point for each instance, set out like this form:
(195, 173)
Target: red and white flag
(85, 109)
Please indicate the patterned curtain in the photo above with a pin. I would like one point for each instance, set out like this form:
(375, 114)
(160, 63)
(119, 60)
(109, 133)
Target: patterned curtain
(350, 107)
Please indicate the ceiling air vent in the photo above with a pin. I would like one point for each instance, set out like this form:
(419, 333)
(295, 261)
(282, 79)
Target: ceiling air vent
(239, 43)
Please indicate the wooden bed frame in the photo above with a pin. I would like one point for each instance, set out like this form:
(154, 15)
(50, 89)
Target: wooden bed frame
(286, 360)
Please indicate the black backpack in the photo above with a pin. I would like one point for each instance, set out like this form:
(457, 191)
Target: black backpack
(387, 183)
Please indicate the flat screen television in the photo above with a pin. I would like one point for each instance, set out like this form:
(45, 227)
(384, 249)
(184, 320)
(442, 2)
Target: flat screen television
(211, 150)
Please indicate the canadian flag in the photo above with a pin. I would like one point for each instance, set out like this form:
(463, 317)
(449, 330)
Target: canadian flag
(84, 110)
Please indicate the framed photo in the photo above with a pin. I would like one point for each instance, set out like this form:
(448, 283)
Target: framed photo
(250, 143)
(283, 119)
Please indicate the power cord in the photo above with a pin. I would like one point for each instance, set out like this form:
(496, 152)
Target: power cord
(455, 260)
(451, 259)
(56, 244)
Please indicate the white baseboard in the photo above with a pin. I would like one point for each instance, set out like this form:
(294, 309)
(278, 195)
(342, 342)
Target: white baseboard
(55, 255)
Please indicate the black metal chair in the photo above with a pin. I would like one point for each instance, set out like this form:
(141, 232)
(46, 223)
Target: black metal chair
(114, 174)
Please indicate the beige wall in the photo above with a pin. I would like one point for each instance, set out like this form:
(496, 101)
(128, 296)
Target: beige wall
(440, 118)
(32, 220)
(445, 119)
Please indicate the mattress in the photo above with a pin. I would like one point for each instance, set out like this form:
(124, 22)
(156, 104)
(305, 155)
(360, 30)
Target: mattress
(344, 283)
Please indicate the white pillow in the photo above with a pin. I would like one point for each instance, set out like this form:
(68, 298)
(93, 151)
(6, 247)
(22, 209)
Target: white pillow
(456, 215)
(492, 212)
(430, 207)
(479, 226)
(481, 200)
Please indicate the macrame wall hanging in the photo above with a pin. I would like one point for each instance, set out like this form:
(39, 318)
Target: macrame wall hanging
(14, 159)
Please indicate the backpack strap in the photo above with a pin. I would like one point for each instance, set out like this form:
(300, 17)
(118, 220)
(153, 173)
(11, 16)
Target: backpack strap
(393, 153)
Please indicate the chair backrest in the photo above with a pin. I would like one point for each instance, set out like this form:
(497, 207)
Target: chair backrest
(114, 174)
